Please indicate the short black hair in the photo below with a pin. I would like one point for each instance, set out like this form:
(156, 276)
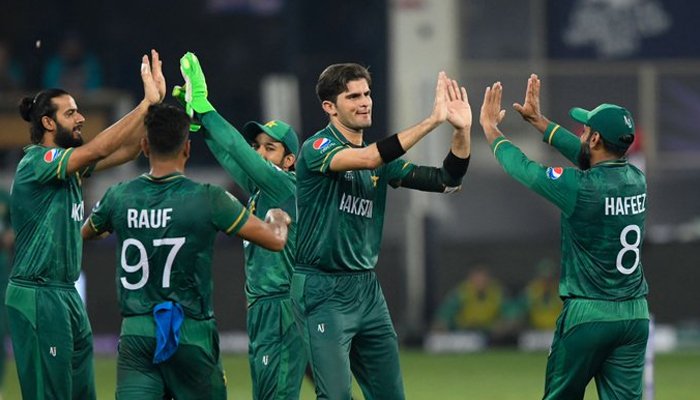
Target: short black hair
(32, 109)
(617, 150)
(334, 80)
(167, 129)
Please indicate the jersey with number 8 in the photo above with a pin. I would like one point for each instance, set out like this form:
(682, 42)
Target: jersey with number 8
(165, 230)
(602, 221)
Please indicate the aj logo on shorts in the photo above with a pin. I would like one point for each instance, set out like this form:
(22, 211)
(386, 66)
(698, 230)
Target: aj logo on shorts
(52, 350)
(266, 359)
(322, 328)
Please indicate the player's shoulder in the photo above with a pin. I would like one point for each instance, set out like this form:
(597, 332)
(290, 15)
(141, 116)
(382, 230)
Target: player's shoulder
(321, 140)
(38, 153)
(556, 173)
(292, 176)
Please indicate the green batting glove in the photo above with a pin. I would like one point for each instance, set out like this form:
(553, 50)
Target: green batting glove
(179, 95)
(195, 85)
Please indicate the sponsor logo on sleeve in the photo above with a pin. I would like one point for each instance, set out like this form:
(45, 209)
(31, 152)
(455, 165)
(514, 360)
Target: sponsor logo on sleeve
(51, 155)
(321, 143)
(554, 173)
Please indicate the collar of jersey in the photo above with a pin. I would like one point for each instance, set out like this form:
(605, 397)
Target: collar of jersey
(611, 163)
(164, 178)
(29, 147)
(339, 136)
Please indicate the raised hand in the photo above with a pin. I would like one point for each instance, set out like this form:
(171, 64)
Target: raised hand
(153, 79)
(459, 113)
(491, 112)
(439, 114)
(195, 85)
(530, 109)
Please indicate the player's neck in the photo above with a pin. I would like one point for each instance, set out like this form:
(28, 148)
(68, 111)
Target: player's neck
(353, 136)
(599, 157)
(166, 167)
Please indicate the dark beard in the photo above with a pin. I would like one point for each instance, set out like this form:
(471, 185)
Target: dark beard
(584, 156)
(64, 138)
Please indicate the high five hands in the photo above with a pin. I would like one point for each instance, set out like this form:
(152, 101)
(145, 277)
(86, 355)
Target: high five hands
(153, 79)
(451, 104)
(491, 112)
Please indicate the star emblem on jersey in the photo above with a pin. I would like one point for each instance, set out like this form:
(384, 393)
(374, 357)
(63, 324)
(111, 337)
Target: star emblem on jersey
(554, 173)
(374, 180)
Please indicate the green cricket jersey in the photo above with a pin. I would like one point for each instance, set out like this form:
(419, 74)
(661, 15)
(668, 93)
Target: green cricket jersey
(47, 212)
(5, 226)
(165, 230)
(268, 273)
(602, 220)
(341, 214)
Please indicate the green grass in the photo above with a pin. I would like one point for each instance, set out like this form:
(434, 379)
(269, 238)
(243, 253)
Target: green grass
(497, 375)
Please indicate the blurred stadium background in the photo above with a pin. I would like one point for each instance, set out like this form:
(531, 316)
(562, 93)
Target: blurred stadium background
(262, 58)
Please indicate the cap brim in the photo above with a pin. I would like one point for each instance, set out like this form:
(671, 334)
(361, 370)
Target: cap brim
(579, 115)
(252, 129)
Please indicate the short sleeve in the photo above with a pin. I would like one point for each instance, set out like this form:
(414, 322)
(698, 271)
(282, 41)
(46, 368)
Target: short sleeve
(228, 214)
(101, 217)
(52, 164)
(318, 152)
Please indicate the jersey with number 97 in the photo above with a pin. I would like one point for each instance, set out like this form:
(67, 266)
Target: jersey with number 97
(165, 230)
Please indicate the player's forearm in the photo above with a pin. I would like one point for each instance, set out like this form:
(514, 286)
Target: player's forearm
(227, 162)
(129, 151)
(129, 127)
(409, 137)
(491, 132)
(242, 162)
(446, 179)
(513, 161)
(540, 122)
(568, 144)
(461, 142)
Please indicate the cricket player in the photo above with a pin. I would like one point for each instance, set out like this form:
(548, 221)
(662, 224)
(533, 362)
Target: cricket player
(7, 239)
(166, 225)
(603, 328)
(341, 187)
(265, 171)
(51, 334)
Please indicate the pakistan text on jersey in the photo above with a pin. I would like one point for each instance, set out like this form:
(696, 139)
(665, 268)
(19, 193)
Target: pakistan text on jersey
(356, 206)
(77, 211)
(629, 205)
(148, 218)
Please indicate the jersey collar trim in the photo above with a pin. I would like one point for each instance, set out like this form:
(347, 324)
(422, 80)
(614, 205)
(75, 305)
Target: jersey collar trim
(339, 136)
(165, 178)
(612, 163)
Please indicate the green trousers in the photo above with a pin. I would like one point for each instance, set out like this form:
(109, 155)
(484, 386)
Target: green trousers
(194, 372)
(611, 352)
(276, 351)
(52, 341)
(347, 329)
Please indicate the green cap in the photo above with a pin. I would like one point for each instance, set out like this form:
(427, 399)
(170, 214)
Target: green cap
(614, 123)
(278, 130)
